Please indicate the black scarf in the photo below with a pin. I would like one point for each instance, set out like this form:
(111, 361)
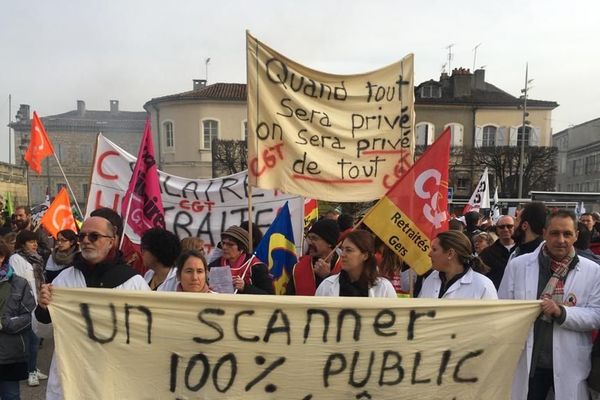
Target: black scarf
(352, 289)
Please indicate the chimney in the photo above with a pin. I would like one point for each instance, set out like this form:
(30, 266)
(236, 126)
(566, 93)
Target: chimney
(23, 113)
(479, 79)
(199, 84)
(114, 106)
(462, 81)
(80, 107)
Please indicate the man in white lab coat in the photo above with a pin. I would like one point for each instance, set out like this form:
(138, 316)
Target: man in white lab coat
(557, 352)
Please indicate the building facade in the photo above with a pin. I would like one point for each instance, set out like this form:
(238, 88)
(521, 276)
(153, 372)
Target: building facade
(578, 163)
(187, 123)
(479, 115)
(73, 135)
(13, 183)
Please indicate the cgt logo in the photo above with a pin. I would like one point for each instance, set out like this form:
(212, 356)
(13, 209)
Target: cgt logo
(431, 210)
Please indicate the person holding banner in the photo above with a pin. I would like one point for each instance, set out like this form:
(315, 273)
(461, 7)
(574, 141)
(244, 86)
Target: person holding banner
(67, 245)
(160, 249)
(191, 272)
(97, 266)
(250, 275)
(359, 276)
(558, 350)
(312, 268)
(457, 273)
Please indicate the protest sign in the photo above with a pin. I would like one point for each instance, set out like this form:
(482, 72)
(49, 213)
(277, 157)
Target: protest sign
(166, 345)
(342, 138)
(193, 207)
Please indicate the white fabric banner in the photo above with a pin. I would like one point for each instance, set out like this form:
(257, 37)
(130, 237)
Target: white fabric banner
(193, 207)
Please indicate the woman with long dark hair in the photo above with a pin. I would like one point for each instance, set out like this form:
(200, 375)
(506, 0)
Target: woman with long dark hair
(457, 273)
(359, 276)
(65, 248)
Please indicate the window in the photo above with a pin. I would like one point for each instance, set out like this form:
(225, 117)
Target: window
(85, 189)
(577, 167)
(169, 138)
(210, 132)
(60, 186)
(85, 154)
(488, 138)
(431, 91)
(462, 183)
(526, 137)
(425, 132)
(61, 152)
(456, 131)
(245, 130)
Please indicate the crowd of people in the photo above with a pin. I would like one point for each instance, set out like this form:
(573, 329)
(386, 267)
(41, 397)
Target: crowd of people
(536, 255)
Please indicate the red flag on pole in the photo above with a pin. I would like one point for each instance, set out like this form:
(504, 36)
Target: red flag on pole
(414, 210)
(40, 146)
(59, 215)
(142, 206)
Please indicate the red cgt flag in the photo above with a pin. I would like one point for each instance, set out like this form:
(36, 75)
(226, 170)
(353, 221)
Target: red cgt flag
(40, 146)
(59, 215)
(414, 210)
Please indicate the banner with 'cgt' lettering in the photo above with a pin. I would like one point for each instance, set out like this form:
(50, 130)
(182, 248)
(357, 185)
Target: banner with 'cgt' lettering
(330, 137)
(133, 345)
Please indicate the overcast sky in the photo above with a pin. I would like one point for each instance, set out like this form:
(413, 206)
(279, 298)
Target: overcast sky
(53, 53)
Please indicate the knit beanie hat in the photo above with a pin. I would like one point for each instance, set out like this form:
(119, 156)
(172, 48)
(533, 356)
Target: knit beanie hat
(238, 234)
(326, 229)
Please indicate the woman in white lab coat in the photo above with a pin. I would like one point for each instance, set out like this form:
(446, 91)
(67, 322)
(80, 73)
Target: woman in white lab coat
(456, 272)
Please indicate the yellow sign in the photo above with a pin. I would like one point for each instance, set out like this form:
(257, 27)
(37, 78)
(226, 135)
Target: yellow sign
(329, 137)
(133, 345)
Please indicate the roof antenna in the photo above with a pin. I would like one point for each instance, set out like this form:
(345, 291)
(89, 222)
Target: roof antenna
(450, 56)
(475, 56)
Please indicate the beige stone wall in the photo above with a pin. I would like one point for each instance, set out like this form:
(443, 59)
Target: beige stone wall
(513, 118)
(188, 158)
(13, 181)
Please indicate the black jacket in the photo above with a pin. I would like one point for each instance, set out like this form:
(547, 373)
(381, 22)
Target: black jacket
(496, 257)
(16, 321)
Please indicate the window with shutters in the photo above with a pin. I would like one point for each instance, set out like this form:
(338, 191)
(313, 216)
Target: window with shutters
(210, 132)
(488, 136)
(425, 133)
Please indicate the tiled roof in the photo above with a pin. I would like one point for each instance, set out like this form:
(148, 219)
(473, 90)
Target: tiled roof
(91, 120)
(490, 96)
(216, 91)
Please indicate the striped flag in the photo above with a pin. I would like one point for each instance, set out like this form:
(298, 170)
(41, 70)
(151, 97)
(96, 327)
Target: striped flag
(311, 211)
(414, 210)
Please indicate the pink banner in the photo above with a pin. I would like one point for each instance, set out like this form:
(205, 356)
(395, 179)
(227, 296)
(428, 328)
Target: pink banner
(142, 207)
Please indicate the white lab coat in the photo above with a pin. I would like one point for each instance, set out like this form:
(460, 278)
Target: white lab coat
(168, 285)
(331, 287)
(471, 285)
(73, 278)
(571, 341)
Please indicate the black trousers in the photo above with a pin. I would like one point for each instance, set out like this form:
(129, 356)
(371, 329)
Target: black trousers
(540, 384)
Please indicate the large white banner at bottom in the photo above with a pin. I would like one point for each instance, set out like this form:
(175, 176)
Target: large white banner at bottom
(134, 345)
(193, 207)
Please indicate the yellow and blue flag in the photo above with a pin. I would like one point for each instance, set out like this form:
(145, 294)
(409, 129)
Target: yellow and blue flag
(277, 249)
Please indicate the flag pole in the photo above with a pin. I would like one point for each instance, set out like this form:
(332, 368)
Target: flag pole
(67, 181)
(126, 216)
(250, 217)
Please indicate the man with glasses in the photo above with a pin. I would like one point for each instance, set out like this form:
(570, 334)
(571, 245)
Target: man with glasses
(496, 256)
(97, 266)
(314, 267)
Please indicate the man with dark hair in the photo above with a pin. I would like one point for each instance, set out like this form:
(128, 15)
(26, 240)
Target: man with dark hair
(97, 266)
(312, 268)
(472, 220)
(160, 249)
(587, 219)
(557, 353)
(496, 256)
(582, 244)
(530, 228)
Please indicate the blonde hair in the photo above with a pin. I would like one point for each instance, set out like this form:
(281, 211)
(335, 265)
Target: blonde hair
(192, 243)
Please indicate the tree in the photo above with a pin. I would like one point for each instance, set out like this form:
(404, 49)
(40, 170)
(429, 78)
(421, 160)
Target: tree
(539, 169)
(229, 157)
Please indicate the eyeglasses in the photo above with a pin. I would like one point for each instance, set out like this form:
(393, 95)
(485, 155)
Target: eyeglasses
(92, 236)
(313, 237)
(507, 226)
